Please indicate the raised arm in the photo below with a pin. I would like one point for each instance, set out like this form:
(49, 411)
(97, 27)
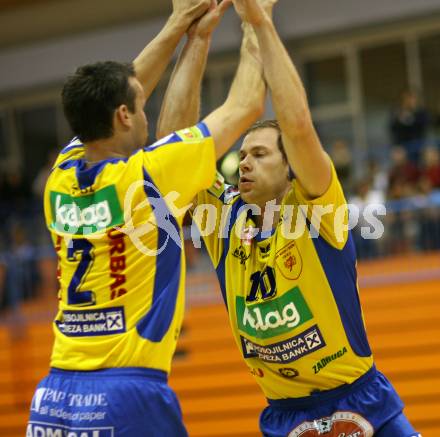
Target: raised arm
(306, 156)
(181, 104)
(151, 63)
(245, 101)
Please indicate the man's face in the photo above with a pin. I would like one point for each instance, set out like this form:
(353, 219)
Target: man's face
(263, 171)
(139, 119)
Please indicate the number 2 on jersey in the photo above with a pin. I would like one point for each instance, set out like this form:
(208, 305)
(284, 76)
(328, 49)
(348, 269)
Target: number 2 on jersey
(84, 249)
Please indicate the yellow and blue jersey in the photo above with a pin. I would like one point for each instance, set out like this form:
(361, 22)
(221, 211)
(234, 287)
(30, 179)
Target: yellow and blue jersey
(116, 228)
(292, 300)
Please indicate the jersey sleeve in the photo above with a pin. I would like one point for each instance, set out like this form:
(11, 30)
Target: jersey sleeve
(211, 215)
(328, 213)
(182, 163)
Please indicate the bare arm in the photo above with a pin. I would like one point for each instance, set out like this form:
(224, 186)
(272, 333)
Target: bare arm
(304, 151)
(181, 104)
(245, 101)
(151, 63)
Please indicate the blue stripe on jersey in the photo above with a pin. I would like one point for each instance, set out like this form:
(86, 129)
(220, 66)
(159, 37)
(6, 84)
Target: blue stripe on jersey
(230, 223)
(86, 175)
(71, 146)
(155, 324)
(204, 129)
(340, 269)
(68, 164)
(169, 139)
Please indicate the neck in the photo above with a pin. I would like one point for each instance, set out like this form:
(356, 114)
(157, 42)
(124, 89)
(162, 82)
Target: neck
(99, 150)
(270, 212)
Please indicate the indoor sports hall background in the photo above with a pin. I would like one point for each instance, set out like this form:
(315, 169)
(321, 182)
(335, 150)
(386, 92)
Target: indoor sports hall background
(362, 64)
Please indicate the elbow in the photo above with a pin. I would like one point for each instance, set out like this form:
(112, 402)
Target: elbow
(259, 111)
(254, 110)
(299, 123)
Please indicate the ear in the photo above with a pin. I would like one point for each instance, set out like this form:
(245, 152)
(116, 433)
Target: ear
(122, 117)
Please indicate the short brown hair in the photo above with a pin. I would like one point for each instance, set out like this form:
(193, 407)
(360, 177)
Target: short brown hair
(273, 124)
(263, 124)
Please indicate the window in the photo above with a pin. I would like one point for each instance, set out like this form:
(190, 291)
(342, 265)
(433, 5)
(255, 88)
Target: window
(337, 138)
(330, 131)
(326, 81)
(430, 62)
(3, 139)
(383, 76)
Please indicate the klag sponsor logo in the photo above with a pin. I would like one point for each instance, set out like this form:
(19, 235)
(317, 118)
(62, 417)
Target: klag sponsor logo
(285, 351)
(271, 318)
(42, 429)
(340, 424)
(84, 215)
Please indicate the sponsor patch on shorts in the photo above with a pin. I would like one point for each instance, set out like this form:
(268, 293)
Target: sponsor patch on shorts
(285, 351)
(85, 323)
(42, 429)
(341, 423)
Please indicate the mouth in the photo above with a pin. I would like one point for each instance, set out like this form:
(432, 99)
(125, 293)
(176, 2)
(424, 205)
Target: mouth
(244, 180)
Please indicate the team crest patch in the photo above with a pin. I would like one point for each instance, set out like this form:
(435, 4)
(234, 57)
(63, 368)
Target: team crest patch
(288, 261)
(218, 187)
(190, 134)
(341, 423)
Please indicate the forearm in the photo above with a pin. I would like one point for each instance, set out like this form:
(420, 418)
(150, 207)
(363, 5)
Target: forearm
(303, 148)
(245, 101)
(181, 104)
(151, 63)
(288, 94)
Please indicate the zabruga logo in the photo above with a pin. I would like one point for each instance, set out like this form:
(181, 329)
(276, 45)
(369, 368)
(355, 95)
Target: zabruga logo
(326, 360)
(85, 215)
(274, 317)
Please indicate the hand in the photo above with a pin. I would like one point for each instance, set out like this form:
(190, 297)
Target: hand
(251, 11)
(190, 10)
(204, 26)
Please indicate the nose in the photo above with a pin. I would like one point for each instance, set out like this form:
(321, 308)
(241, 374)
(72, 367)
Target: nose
(245, 164)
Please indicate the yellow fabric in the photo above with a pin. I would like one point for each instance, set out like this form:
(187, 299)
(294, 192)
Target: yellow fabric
(283, 313)
(116, 238)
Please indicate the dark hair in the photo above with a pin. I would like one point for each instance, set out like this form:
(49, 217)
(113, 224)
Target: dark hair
(91, 96)
(263, 124)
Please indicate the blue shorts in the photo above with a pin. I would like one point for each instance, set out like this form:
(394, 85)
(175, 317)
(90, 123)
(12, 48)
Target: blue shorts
(121, 402)
(370, 406)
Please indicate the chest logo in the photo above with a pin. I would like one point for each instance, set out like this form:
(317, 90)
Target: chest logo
(288, 261)
(271, 318)
(87, 214)
(240, 253)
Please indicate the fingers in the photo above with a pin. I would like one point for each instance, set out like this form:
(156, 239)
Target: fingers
(223, 6)
(212, 6)
(201, 8)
